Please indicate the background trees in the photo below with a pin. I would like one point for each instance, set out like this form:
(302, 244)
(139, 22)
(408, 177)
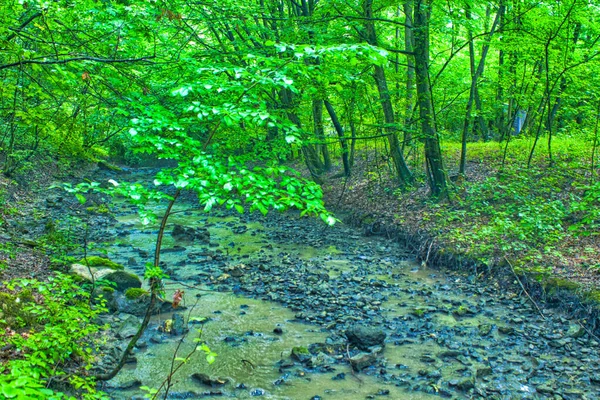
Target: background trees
(405, 77)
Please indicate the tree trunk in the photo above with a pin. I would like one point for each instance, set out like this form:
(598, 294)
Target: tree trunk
(410, 73)
(317, 110)
(404, 175)
(340, 131)
(433, 154)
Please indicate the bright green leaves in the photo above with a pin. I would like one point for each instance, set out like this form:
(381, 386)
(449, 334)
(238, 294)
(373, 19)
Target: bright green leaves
(58, 320)
(210, 355)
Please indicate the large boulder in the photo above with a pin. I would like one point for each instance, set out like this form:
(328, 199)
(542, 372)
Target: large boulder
(365, 337)
(122, 280)
(119, 302)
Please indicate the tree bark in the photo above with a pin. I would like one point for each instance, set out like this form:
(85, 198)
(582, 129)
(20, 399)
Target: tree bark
(433, 154)
(404, 175)
(340, 131)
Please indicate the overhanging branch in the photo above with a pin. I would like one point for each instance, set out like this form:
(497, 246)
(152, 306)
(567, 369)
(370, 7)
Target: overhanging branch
(74, 59)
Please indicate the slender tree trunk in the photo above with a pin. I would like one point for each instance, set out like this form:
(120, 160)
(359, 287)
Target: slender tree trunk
(476, 72)
(317, 110)
(340, 131)
(433, 153)
(410, 73)
(404, 175)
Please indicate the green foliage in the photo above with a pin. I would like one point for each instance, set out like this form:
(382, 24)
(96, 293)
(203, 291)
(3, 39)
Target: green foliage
(587, 211)
(53, 325)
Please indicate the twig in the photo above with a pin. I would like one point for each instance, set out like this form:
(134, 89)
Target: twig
(428, 252)
(249, 363)
(524, 290)
(349, 362)
(174, 369)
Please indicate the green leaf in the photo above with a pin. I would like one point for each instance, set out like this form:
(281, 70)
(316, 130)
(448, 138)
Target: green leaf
(81, 198)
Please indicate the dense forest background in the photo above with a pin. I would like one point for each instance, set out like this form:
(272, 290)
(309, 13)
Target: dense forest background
(473, 124)
(424, 93)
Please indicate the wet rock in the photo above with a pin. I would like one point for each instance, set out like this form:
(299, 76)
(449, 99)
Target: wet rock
(365, 337)
(183, 233)
(362, 361)
(278, 331)
(179, 326)
(483, 371)
(484, 329)
(125, 385)
(129, 327)
(208, 380)
(301, 354)
(257, 392)
(339, 377)
(383, 392)
(466, 384)
(576, 331)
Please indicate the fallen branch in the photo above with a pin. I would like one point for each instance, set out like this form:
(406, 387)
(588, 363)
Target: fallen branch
(524, 290)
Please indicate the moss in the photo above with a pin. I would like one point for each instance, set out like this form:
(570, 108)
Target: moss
(101, 209)
(95, 261)
(561, 284)
(593, 296)
(108, 166)
(135, 293)
(108, 289)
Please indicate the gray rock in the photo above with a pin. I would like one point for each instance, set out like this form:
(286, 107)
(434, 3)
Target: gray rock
(362, 361)
(466, 384)
(128, 327)
(365, 337)
(179, 326)
(208, 380)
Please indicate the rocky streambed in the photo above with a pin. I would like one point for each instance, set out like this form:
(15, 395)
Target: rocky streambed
(297, 310)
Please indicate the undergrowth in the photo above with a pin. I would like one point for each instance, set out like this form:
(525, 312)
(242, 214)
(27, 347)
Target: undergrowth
(518, 213)
(46, 331)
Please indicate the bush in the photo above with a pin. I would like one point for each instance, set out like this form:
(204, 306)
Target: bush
(50, 333)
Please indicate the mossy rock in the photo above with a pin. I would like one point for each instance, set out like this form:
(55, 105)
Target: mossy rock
(135, 293)
(105, 165)
(593, 296)
(556, 285)
(300, 353)
(101, 262)
(121, 280)
(101, 209)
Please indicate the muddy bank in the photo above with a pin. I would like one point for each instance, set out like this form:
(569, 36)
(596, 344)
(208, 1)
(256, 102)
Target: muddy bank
(576, 302)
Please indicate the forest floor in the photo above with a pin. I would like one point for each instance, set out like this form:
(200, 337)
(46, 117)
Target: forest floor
(534, 220)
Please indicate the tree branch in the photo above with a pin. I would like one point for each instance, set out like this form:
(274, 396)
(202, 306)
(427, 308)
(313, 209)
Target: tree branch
(23, 25)
(74, 59)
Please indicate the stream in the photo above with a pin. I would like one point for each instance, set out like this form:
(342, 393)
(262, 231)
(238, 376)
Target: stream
(260, 286)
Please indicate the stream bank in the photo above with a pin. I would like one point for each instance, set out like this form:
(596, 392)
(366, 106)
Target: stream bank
(269, 285)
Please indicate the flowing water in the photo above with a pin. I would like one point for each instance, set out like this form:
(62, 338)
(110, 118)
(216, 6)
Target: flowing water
(446, 334)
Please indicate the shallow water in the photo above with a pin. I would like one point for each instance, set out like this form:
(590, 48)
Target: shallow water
(424, 313)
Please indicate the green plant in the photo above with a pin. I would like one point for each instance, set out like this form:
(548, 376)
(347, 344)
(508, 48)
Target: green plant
(587, 211)
(52, 328)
